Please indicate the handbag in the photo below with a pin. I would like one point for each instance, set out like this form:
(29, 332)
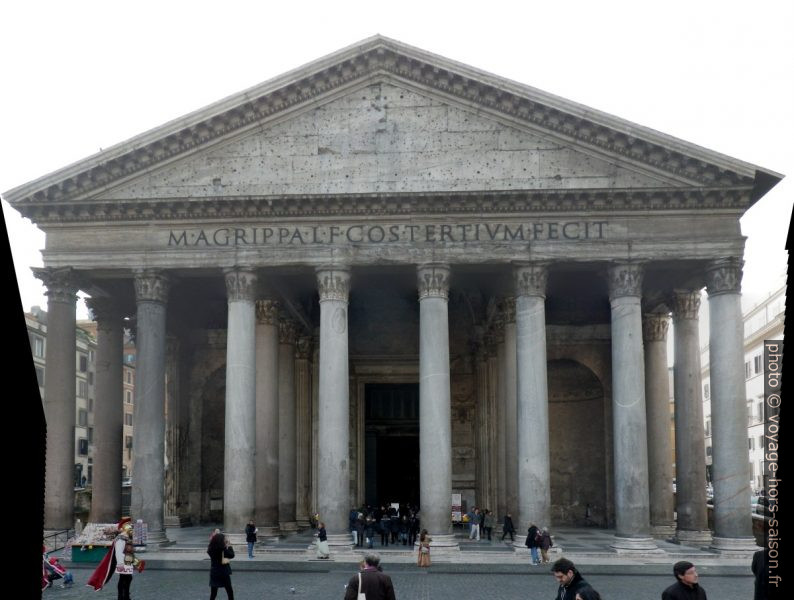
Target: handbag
(361, 596)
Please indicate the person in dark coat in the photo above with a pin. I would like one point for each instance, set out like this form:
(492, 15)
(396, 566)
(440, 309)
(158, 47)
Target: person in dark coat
(360, 530)
(532, 543)
(371, 524)
(508, 528)
(587, 593)
(570, 580)
(250, 537)
(220, 574)
(375, 584)
(385, 529)
(413, 528)
(686, 587)
(759, 570)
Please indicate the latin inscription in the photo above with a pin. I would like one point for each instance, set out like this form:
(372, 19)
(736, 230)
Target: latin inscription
(441, 233)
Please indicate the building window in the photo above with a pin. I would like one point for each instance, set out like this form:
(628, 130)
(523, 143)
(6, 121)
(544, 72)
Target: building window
(37, 345)
(708, 450)
(757, 364)
(751, 443)
(129, 358)
(128, 419)
(90, 435)
(748, 370)
(128, 441)
(82, 389)
(83, 363)
(708, 427)
(82, 417)
(90, 405)
(40, 376)
(760, 441)
(760, 407)
(90, 377)
(706, 391)
(129, 376)
(90, 473)
(128, 397)
(90, 356)
(82, 447)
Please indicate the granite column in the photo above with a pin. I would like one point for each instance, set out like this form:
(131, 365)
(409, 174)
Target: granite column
(733, 528)
(287, 427)
(148, 447)
(632, 510)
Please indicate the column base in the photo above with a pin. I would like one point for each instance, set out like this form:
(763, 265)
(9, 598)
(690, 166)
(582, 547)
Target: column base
(157, 539)
(698, 539)
(176, 521)
(303, 523)
(288, 527)
(267, 534)
(441, 545)
(734, 546)
(638, 545)
(663, 532)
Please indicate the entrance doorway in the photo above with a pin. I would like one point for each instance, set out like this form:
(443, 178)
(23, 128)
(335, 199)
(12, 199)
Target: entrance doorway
(391, 429)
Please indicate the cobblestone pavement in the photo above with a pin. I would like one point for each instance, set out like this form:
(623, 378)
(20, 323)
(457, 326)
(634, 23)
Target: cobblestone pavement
(410, 583)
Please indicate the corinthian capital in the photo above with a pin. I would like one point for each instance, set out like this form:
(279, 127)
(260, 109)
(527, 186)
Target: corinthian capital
(267, 311)
(240, 284)
(106, 312)
(286, 331)
(531, 279)
(61, 283)
(303, 347)
(433, 281)
(151, 286)
(654, 326)
(625, 279)
(724, 276)
(333, 283)
(686, 304)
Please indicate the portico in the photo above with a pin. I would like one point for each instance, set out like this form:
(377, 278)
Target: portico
(386, 216)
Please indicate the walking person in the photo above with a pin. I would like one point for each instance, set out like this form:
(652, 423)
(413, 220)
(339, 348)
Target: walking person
(570, 580)
(487, 523)
(323, 551)
(545, 544)
(250, 537)
(423, 559)
(686, 586)
(508, 528)
(370, 581)
(532, 543)
(220, 570)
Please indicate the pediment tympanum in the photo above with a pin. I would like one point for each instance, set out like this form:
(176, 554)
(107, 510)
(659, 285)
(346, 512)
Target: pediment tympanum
(383, 138)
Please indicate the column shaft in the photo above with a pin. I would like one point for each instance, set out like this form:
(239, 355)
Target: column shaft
(287, 427)
(148, 446)
(732, 522)
(333, 412)
(657, 406)
(59, 396)
(239, 475)
(690, 444)
(108, 413)
(303, 403)
(534, 469)
(632, 512)
(501, 419)
(511, 406)
(435, 426)
(266, 510)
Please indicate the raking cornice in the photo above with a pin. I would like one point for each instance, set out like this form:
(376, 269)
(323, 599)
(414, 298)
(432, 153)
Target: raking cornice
(687, 162)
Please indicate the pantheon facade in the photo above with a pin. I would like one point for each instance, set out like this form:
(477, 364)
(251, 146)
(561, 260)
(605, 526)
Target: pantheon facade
(387, 276)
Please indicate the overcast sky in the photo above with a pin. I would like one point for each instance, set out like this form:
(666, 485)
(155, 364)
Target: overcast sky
(83, 75)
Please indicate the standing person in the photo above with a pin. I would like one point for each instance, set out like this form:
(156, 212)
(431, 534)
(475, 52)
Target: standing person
(570, 580)
(351, 520)
(220, 570)
(487, 523)
(508, 528)
(371, 524)
(423, 559)
(370, 581)
(385, 528)
(413, 528)
(361, 527)
(532, 543)
(686, 586)
(323, 551)
(545, 544)
(759, 570)
(119, 559)
(250, 537)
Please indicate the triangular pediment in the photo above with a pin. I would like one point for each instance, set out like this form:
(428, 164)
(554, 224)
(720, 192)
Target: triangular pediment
(583, 147)
(385, 138)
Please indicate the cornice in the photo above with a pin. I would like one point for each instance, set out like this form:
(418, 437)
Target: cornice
(372, 58)
(383, 204)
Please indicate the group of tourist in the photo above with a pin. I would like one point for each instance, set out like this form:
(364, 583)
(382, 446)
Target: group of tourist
(393, 525)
